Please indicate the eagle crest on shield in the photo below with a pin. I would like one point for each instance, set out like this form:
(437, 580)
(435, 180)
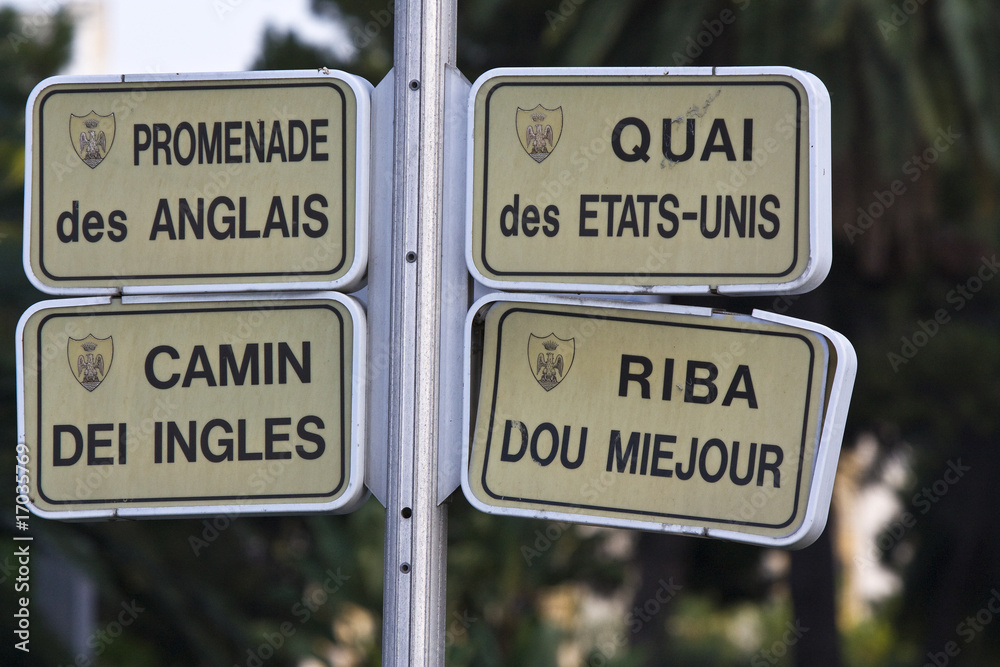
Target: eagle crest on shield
(90, 360)
(539, 130)
(92, 136)
(550, 359)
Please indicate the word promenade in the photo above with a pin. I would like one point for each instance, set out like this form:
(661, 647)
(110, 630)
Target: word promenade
(230, 142)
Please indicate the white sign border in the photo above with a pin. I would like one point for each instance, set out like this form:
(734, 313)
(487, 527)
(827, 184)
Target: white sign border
(840, 386)
(355, 274)
(820, 179)
(353, 496)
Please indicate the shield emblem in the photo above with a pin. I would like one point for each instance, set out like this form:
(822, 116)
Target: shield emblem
(550, 359)
(539, 130)
(91, 136)
(90, 360)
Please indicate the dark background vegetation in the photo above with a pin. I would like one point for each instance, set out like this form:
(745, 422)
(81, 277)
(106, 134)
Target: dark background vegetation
(214, 592)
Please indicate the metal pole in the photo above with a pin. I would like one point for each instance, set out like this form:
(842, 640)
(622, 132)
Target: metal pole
(416, 525)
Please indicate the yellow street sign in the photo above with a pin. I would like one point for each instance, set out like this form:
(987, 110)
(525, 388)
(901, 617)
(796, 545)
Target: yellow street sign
(638, 180)
(670, 419)
(160, 407)
(196, 182)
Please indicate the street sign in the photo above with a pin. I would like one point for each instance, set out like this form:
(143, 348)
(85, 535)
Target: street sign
(654, 417)
(155, 406)
(649, 180)
(194, 182)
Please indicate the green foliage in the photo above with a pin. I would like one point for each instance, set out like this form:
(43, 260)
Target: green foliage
(285, 51)
(368, 30)
(228, 590)
(499, 573)
(31, 48)
(877, 643)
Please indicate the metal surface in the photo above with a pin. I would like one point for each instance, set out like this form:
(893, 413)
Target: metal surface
(279, 407)
(185, 184)
(454, 285)
(607, 385)
(416, 525)
(649, 180)
(379, 291)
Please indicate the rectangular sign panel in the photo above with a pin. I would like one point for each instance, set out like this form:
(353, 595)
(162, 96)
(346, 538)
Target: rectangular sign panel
(186, 183)
(672, 419)
(160, 407)
(643, 180)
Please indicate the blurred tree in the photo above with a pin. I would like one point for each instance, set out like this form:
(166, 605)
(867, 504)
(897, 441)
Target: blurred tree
(368, 33)
(33, 47)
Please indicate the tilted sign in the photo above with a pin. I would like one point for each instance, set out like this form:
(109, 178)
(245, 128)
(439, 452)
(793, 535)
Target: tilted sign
(160, 407)
(656, 418)
(197, 182)
(639, 180)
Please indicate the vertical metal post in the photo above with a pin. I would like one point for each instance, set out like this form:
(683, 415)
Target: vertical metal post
(416, 526)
